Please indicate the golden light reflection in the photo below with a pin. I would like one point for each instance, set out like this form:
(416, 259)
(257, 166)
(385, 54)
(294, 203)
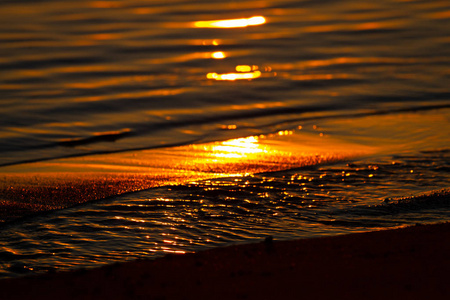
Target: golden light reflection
(229, 127)
(80, 179)
(237, 148)
(234, 76)
(285, 132)
(218, 55)
(243, 72)
(231, 23)
(255, 154)
(245, 68)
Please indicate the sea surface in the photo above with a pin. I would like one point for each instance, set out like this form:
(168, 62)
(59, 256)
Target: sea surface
(133, 129)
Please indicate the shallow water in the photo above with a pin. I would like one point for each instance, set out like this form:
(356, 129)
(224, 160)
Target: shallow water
(341, 105)
(301, 203)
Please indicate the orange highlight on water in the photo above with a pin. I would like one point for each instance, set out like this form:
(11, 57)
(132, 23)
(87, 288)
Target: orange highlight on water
(231, 23)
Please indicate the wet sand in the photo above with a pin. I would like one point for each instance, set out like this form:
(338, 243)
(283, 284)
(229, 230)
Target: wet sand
(407, 263)
(41, 186)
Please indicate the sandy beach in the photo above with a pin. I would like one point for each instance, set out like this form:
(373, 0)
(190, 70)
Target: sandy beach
(406, 263)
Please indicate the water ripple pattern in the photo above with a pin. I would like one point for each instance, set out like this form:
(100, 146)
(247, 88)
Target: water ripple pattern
(80, 75)
(80, 80)
(314, 201)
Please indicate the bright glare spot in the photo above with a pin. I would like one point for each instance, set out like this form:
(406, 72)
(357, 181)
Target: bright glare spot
(245, 68)
(238, 148)
(229, 127)
(234, 76)
(167, 250)
(218, 55)
(243, 142)
(232, 23)
(285, 132)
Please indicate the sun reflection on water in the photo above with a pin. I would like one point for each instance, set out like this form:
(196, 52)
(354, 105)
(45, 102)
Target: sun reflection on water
(234, 76)
(238, 148)
(242, 72)
(218, 55)
(245, 68)
(231, 23)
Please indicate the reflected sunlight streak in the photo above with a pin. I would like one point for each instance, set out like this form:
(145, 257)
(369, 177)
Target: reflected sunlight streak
(218, 55)
(245, 68)
(231, 23)
(234, 76)
(238, 148)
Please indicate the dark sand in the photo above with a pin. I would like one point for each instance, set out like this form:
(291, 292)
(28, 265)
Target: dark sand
(408, 263)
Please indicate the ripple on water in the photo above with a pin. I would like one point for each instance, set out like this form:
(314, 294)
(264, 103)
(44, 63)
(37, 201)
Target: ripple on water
(184, 218)
(87, 80)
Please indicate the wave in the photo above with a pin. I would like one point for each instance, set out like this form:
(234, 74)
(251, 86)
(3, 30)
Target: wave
(398, 208)
(432, 200)
(217, 133)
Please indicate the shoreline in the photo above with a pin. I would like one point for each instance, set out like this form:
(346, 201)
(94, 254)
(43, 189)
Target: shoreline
(27, 189)
(405, 263)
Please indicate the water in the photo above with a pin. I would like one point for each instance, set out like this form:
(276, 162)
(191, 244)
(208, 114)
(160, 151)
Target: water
(346, 105)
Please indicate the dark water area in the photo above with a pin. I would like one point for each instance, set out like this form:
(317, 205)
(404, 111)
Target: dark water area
(89, 81)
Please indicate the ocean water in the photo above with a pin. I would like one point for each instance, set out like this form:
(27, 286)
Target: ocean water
(133, 129)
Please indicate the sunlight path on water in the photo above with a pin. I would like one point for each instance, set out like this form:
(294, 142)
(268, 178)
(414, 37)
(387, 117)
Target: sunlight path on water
(232, 23)
(60, 183)
(388, 171)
